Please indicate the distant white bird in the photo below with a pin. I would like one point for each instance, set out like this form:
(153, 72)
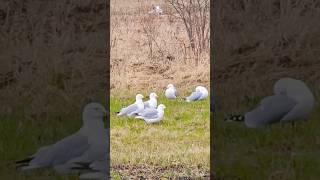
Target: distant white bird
(171, 92)
(153, 115)
(199, 94)
(134, 108)
(292, 100)
(156, 10)
(85, 145)
(152, 102)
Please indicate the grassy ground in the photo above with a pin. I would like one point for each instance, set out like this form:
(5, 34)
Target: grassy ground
(280, 151)
(177, 146)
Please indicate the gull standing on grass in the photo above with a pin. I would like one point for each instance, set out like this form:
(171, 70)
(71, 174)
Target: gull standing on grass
(199, 94)
(153, 115)
(171, 92)
(85, 145)
(292, 100)
(134, 108)
(152, 102)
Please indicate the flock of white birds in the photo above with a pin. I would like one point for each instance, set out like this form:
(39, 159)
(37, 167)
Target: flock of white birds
(150, 112)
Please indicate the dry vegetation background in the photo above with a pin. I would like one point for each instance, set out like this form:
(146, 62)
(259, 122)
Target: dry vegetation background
(149, 52)
(51, 53)
(259, 42)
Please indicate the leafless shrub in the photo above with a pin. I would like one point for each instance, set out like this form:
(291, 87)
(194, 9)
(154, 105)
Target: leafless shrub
(150, 30)
(195, 16)
(151, 47)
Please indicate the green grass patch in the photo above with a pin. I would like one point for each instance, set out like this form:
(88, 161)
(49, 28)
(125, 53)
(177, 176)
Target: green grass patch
(181, 139)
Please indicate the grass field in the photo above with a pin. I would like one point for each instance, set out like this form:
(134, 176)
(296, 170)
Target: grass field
(178, 146)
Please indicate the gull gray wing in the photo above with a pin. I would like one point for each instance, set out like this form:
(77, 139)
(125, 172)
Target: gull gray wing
(271, 109)
(149, 112)
(127, 110)
(60, 152)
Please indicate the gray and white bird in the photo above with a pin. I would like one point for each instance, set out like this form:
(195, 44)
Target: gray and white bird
(152, 102)
(171, 92)
(134, 108)
(152, 115)
(85, 145)
(292, 101)
(199, 94)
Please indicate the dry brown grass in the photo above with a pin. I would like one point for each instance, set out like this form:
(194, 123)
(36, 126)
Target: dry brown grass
(51, 53)
(145, 49)
(260, 42)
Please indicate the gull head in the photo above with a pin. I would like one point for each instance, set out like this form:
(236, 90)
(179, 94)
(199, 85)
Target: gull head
(199, 88)
(170, 86)
(139, 97)
(161, 106)
(94, 111)
(153, 95)
(282, 85)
